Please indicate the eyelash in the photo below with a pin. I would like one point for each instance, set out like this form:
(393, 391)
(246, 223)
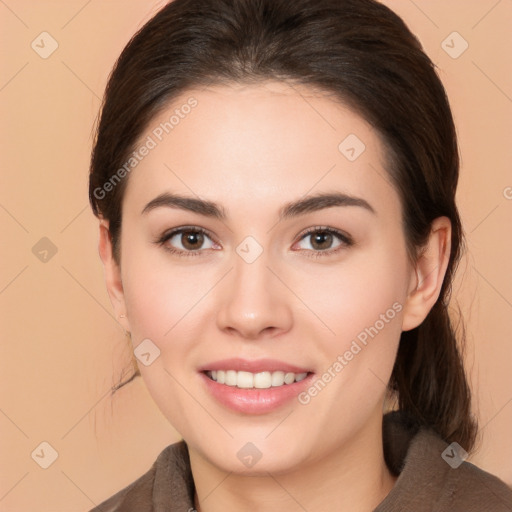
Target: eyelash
(346, 241)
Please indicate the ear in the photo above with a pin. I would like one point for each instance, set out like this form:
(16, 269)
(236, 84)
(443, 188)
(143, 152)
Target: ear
(428, 274)
(112, 272)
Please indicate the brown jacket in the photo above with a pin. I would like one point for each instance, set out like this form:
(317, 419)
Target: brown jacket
(426, 481)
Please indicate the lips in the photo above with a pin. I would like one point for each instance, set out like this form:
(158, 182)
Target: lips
(254, 400)
(260, 365)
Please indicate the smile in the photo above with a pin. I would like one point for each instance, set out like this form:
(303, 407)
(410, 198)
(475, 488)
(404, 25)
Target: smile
(260, 380)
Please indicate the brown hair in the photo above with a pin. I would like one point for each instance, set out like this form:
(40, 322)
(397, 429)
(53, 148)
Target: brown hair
(365, 55)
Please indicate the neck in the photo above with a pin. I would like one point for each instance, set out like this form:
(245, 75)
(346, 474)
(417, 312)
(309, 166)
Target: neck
(353, 477)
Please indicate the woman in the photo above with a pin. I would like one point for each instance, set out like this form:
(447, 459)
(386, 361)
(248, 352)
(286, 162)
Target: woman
(275, 183)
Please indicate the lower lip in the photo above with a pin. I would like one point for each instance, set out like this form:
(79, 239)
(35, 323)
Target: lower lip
(255, 401)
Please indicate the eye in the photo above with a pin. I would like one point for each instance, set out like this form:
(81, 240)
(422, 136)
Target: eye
(186, 240)
(322, 239)
(190, 240)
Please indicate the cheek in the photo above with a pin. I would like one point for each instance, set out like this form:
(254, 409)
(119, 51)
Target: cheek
(160, 294)
(354, 295)
(362, 303)
(163, 303)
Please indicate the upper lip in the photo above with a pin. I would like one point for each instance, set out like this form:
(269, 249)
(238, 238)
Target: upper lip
(255, 366)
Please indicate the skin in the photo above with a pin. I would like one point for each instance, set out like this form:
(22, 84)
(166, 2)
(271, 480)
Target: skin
(252, 149)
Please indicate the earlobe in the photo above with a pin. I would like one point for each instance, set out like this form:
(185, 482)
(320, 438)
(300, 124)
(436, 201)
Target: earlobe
(112, 272)
(428, 274)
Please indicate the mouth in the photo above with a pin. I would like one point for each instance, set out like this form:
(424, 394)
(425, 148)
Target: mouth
(254, 387)
(259, 380)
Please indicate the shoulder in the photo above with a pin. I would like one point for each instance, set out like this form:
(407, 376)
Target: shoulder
(469, 488)
(169, 475)
(137, 495)
(433, 475)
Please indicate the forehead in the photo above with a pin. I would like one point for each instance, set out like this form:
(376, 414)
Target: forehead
(263, 142)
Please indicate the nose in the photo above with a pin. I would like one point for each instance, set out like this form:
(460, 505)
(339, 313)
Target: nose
(253, 301)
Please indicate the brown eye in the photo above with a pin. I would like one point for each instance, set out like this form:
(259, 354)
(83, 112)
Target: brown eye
(186, 241)
(191, 240)
(323, 241)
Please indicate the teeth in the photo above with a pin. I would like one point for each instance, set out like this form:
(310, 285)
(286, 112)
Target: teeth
(261, 380)
(277, 379)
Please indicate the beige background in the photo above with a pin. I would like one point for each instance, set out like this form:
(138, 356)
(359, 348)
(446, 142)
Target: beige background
(61, 348)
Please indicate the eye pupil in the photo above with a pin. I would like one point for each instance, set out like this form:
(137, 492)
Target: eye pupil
(193, 238)
(320, 238)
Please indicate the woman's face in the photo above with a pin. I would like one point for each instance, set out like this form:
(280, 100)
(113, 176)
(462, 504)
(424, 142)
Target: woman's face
(254, 285)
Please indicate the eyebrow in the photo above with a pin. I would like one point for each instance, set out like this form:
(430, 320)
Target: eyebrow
(301, 206)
